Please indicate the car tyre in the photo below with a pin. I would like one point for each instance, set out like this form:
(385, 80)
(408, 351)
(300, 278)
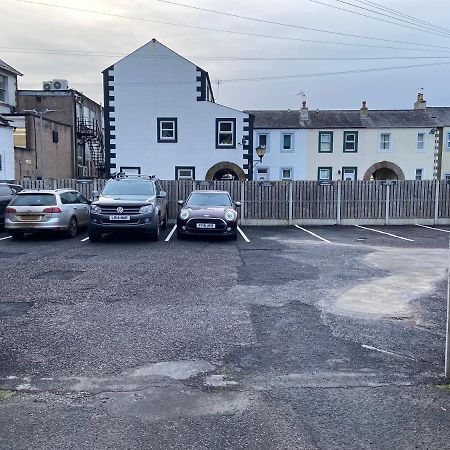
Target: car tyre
(73, 227)
(16, 235)
(154, 236)
(95, 236)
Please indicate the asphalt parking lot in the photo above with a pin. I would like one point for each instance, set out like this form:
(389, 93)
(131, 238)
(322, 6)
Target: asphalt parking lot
(289, 338)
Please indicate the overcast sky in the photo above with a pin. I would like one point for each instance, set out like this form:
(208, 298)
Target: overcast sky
(26, 26)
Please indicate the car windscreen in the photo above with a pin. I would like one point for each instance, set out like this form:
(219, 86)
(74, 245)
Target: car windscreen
(34, 200)
(129, 187)
(208, 199)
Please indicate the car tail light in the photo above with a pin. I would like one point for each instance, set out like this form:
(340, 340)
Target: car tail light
(10, 210)
(52, 210)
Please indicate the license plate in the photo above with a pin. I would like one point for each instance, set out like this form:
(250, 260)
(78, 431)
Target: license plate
(30, 218)
(119, 217)
(206, 225)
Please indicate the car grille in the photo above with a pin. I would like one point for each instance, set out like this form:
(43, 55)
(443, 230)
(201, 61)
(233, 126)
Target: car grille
(192, 223)
(126, 209)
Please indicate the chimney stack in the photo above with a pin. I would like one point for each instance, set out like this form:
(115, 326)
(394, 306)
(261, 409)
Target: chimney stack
(420, 103)
(304, 113)
(364, 111)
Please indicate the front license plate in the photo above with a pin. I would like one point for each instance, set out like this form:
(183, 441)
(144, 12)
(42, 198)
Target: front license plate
(119, 217)
(206, 225)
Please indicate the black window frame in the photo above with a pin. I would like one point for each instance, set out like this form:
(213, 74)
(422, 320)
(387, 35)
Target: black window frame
(55, 136)
(226, 119)
(5, 90)
(321, 133)
(177, 168)
(346, 133)
(350, 167)
(330, 171)
(161, 140)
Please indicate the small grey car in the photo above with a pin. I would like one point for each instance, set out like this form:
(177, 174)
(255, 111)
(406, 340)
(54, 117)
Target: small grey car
(43, 210)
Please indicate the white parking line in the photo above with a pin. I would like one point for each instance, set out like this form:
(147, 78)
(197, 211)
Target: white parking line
(432, 228)
(85, 239)
(171, 233)
(313, 234)
(386, 233)
(246, 239)
(7, 237)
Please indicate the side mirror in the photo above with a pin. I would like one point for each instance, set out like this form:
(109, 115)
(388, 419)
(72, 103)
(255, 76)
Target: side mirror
(162, 194)
(237, 204)
(180, 202)
(94, 195)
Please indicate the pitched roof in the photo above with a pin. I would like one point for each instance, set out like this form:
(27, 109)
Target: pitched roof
(8, 68)
(407, 118)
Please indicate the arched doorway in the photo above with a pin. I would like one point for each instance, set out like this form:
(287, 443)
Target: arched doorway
(225, 171)
(384, 170)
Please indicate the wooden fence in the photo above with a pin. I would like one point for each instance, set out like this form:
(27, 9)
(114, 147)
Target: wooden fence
(308, 202)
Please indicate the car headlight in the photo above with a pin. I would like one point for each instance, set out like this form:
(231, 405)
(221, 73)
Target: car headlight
(230, 215)
(95, 209)
(147, 209)
(184, 214)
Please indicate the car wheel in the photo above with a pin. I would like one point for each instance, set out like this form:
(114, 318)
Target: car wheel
(16, 235)
(95, 237)
(154, 236)
(73, 227)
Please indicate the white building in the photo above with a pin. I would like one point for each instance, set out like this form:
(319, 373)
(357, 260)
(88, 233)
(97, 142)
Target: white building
(8, 99)
(161, 118)
(360, 144)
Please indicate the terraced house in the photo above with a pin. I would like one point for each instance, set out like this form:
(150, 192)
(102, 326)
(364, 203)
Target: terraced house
(161, 117)
(326, 145)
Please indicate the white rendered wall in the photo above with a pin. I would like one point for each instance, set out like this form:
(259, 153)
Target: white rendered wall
(156, 82)
(7, 153)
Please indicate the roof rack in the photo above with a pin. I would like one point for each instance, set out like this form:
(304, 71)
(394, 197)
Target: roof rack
(120, 175)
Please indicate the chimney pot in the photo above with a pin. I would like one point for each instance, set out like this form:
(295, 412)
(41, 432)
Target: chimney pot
(364, 111)
(420, 103)
(304, 113)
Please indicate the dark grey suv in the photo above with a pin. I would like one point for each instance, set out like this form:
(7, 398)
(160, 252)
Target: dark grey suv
(129, 203)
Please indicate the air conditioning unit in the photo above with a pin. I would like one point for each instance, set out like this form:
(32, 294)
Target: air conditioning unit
(55, 85)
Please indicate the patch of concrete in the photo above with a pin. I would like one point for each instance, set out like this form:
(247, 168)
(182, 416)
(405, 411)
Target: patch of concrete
(177, 402)
(219, 381)
(177, 370)
(411, 273)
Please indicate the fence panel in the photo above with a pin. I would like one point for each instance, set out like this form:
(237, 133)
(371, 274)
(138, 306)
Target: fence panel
(311, 200)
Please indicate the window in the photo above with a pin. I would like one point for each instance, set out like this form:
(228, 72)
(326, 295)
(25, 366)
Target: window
(420, 142)
(3, 89)
(419, 174)
(262, 173)
(263, 141)
(225, 133)
(184, 173)
(167, 129)
(349, 173)
(325, 141)
(287, 144)
(20, 138)
(286, 174)
(447, 177)
(350, 141)
(55, 137)
(385, 142)
(1, 166)
(324, 173)
(448, 141)
(82, 198)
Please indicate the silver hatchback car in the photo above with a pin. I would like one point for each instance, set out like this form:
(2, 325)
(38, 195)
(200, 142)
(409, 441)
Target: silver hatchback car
(42, 210)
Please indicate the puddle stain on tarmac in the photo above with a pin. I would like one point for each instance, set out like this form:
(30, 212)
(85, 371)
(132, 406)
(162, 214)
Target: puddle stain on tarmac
(412, 273)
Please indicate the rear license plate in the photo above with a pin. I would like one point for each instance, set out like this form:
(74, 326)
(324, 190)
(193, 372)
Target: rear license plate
(30, 218)
(206, 225)
(119, 217)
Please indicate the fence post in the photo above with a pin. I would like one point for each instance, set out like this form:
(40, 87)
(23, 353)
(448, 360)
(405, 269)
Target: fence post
(338, 208)
(388, 194)
(436, 202)
(291, 203)
(242, 202)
